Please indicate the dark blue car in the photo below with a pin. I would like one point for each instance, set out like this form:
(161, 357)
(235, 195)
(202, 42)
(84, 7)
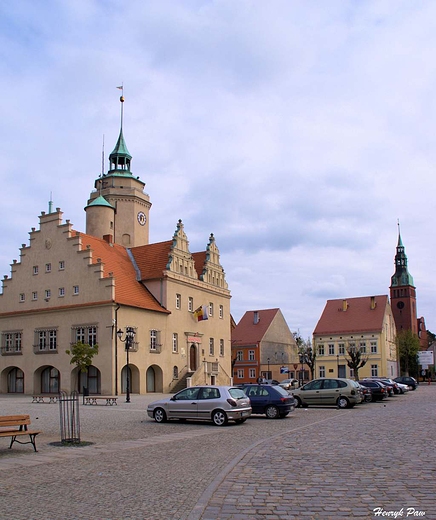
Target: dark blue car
(270, 400)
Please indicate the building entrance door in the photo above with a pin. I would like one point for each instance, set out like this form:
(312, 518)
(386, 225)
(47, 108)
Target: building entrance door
(193, 358)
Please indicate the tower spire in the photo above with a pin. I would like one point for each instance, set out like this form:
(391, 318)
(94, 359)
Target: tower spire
(120, 157)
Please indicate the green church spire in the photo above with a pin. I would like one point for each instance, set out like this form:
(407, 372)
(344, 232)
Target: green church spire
(120, 157)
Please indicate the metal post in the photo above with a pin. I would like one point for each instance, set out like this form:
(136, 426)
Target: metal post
(128, 340)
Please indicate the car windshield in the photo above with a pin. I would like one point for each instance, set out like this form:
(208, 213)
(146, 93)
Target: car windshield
(237, 393)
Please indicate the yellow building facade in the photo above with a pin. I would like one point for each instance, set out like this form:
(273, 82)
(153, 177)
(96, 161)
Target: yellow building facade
(364, 323)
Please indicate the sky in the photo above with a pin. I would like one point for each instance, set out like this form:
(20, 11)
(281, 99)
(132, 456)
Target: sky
(299, 133)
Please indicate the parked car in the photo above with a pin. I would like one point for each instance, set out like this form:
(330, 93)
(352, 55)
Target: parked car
(391, 382)
(218, 404)
(411, 382)
(403, 388)
(378, 390)
(341, 392)
(366, 393)
(288, 384)
(271, 400)
(389, 386)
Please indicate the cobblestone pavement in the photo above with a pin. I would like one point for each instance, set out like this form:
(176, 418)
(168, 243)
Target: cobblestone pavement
(318, 463)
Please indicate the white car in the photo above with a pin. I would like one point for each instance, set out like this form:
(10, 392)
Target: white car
(403, 388)
(218, 404)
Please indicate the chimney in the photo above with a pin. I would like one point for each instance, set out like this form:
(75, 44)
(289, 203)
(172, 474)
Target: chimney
(344, 305)
(373, 303)
(108, 238)
(256, 317)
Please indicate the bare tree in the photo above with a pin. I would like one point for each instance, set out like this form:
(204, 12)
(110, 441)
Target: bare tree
(356, 358)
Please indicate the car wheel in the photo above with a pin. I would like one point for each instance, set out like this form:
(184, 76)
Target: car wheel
(272, 412)
(342, 402)
(219, 418)
(160, 415)
(240, 421)
(297, 402)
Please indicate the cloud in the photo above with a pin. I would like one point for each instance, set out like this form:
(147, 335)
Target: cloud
(297, 133)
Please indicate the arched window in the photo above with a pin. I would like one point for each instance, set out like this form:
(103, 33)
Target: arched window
(50, 379)
(16, 381)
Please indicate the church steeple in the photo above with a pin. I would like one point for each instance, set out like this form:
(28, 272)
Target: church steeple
(120, 157)
(402, 277)
(403, 294)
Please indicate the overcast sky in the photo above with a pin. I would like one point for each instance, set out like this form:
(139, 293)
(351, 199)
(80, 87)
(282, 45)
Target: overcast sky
(297, 132)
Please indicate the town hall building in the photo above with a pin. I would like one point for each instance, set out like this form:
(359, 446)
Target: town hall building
(70, 287)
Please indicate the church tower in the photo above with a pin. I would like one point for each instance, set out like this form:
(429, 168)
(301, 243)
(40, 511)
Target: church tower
(403, 294)
(118, 209)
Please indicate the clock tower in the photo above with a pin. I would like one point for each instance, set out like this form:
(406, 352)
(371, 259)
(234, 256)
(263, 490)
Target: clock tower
(118, 209)
(403, 293)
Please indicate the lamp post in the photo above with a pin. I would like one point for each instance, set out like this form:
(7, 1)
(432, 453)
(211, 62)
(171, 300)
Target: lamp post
(268, 370)
(128, 340)
(337, 362)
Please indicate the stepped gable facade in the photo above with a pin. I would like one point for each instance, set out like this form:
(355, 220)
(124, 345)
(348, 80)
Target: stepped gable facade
(70, 286)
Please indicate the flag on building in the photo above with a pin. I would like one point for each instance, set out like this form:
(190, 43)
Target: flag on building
(201, 313)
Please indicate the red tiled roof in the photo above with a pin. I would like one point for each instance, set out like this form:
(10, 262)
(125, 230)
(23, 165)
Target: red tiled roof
(115, 259)
(358, 316)
(199, 261)
(152, 259)
(247, 332)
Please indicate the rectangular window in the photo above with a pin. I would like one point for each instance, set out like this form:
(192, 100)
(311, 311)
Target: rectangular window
(153, 340)
(47, 294)
(320, 350)
(61, 292)
(11, 342)
(46, 339)
(362, 347)
(221, 347)
(22, 297)
(191, 304)
(239, 355)
(35, 269)
(321, 371)
(331, 349)
(75, 290)
(92, 336)
(373, 347)
(178, 301)
(252, 373)
(210, 309)
(341, 348)
(240, 373)
(61, 265)
(85, 335)
(374, 370)
(211, 347)
(251, 355)
(175, 342)
(221, 312)
(35, 295)
(48, 268)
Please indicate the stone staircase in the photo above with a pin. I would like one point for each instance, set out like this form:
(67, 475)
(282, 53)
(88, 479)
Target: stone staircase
(181, 383)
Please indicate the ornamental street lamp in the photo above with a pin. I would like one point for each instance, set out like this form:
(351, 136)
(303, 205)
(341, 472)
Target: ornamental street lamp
(128, 340)
(268, 377)
(337, 362)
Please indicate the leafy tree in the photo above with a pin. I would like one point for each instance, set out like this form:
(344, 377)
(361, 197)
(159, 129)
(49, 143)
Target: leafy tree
(81, 356)
(356, 359)
(408, 346)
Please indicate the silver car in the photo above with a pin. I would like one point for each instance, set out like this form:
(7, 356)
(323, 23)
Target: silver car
(344, 393)
(218, 404)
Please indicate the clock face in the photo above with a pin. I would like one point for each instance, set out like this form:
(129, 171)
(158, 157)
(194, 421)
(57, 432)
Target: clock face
(400, 305)
(142, 219)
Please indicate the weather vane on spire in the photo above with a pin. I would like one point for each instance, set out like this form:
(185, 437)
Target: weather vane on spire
(122, 101)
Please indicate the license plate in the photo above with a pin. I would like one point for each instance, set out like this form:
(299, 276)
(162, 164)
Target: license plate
(245, 414)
